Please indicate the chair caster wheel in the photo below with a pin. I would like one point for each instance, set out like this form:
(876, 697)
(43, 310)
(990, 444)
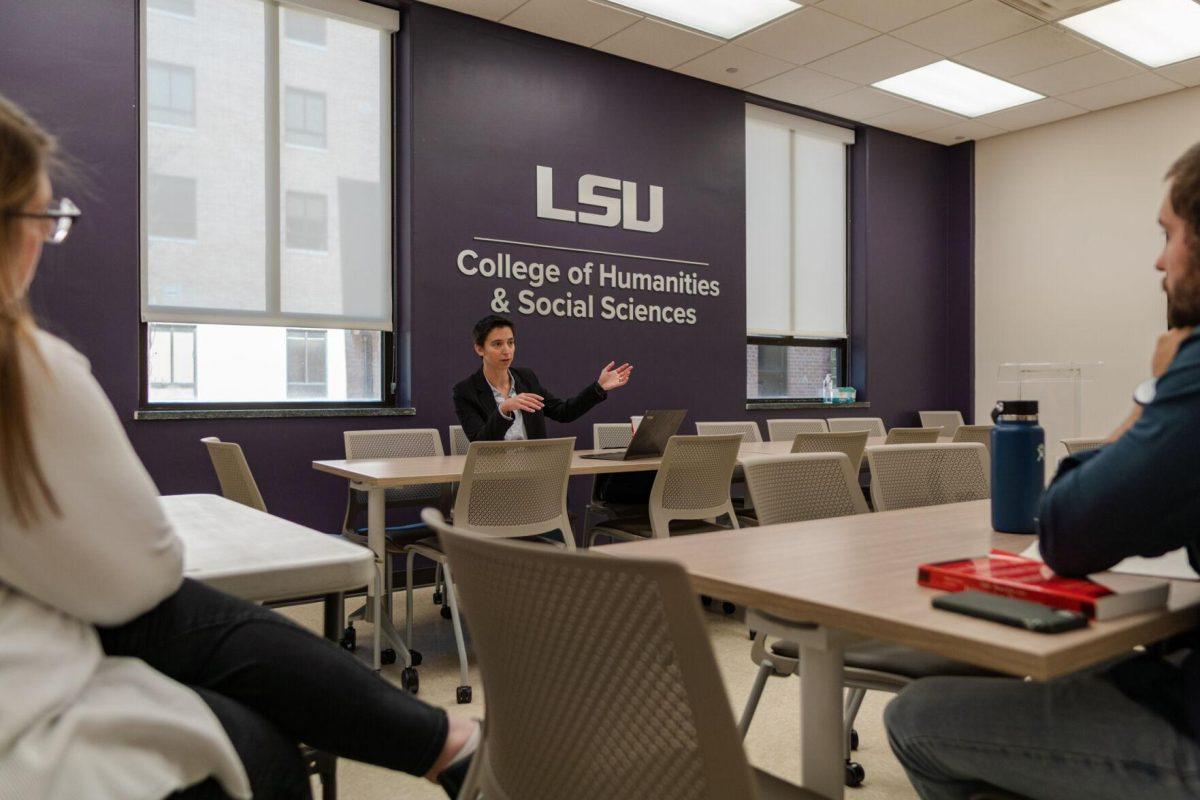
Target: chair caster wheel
(446, 613)
(853, 739)
(705, 600)
(409, 680)
(416, 661)
(463, 695)
(437, 598)
(751, 633)
(855, 774)
(387, 656)
(349, 640)
(728, 608)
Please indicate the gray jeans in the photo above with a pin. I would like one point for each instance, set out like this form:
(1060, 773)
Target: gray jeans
(1120, 733)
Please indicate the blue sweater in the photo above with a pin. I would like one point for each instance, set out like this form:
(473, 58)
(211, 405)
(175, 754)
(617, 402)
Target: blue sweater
(1139, 496)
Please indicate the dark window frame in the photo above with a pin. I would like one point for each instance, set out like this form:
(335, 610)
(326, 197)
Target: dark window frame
(841, 345)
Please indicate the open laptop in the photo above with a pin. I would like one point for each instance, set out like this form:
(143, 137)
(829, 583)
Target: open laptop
(650, 438)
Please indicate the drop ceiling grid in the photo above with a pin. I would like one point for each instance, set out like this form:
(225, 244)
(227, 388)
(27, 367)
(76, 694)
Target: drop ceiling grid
(827, 53)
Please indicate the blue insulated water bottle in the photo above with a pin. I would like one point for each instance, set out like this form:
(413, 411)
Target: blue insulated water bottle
(1018, 465)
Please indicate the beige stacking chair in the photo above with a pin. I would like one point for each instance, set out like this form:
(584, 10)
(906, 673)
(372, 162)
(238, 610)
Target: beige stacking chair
(233, 473)
(914, 475)
(692, 485)
(390, 443)
(1081, 444)
(508, 490)
(750, 434)
(785, 430)
(606, 436)
(659, 728)
(852, 443)
(808, 486)
(981, 434)
(948, 421)
(872, 425)
(913, 435)
(458, 441)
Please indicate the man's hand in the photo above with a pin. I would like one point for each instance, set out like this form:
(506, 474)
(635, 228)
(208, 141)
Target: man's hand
(525, 401)
(1167, 347)
(614, 378)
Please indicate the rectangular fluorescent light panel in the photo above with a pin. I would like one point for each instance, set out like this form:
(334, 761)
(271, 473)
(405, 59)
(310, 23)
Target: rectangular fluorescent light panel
(957, 88)
(1155, 32)
(723, 18)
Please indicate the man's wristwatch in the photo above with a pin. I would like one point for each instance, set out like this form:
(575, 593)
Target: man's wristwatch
(1145, 392)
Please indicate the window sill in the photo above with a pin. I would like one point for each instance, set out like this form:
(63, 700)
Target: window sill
(268, 413)
(767, 405)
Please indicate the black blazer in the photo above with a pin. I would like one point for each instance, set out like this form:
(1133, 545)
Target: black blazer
(481, 419)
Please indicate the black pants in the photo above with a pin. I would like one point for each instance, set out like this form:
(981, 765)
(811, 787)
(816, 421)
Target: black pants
(272, 684)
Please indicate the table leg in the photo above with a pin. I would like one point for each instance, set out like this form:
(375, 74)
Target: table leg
(377, 541)
(335, 615)
(822, 767)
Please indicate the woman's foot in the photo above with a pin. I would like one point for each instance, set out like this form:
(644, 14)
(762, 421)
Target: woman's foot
(450, 769)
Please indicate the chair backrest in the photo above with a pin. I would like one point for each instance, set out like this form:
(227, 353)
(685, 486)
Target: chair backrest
(693, 481)
(913, 435)
(394, 443)
(852, 443)
(802, 486)
(872, 425)
(785, 430)
(458, 441)
(981, 434)
(748, 429)
(607, 688)
(611, 435)
(913, 475)
(948, 421)
(1083, 443)
(516, 488)
(237, 483)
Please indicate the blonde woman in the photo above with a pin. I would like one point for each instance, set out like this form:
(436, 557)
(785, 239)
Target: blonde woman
(119, 678)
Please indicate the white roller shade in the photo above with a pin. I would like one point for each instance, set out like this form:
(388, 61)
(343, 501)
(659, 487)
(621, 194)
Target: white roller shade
(270, 203)
(795, 225)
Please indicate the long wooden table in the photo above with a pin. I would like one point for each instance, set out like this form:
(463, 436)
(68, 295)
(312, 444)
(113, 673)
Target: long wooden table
(855, 577)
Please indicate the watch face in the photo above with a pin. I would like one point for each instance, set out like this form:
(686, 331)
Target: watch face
(1144, 394)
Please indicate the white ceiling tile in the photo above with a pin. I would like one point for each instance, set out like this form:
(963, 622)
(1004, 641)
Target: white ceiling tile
(889, 14)
(961, 132)
(1029, 115)
(577, 21)
(874, 60)
(802, 86)
(1025, 52)
(1126, 90)
(652, 42)
(1077, 73)
(488, 9)
(748, 66)
(966, 27)
(861, 104)
(915, 119)
(805, 36)
(1185, 72)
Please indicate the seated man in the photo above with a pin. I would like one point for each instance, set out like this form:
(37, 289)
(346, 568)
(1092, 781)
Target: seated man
(1129, 730)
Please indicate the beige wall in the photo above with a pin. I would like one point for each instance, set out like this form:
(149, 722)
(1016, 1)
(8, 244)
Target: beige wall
(1065, 243)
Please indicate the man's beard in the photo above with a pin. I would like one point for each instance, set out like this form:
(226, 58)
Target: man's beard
(1183, 302)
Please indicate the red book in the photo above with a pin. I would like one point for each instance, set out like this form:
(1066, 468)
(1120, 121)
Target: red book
(1025, 578)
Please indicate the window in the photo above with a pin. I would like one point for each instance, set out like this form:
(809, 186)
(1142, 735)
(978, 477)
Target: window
(304, 117)
(306, 364)
(228, 246)
(307, 227)
(172, 94)
(173, 361)
(796, 255)
(184, 8)
(172, 207)
(306, 28)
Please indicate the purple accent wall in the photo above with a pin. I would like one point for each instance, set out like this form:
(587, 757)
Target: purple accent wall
(487, 104)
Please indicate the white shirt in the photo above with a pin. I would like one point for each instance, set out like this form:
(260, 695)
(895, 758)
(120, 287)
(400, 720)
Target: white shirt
(517, 429)
(75, 723)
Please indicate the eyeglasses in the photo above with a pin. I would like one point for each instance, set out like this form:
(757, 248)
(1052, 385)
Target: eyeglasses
(63, 213)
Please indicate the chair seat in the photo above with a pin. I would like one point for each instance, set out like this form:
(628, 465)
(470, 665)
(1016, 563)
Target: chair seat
(393, 547)
(640, 526)
(894, 659)
(772, 788)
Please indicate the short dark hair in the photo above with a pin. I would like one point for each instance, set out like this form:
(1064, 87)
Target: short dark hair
(1184, 175)
(489, 324)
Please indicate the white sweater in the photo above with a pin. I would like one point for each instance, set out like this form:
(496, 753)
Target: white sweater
(75, 723)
